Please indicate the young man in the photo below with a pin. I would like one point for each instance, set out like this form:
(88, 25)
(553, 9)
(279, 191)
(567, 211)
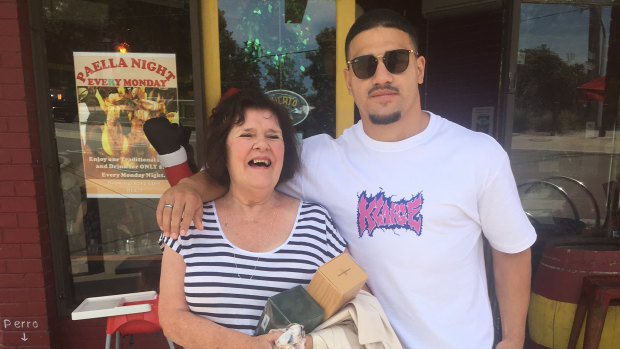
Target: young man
(412, 193)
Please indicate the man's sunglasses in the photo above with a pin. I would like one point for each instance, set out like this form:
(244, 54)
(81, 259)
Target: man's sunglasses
(395, 61)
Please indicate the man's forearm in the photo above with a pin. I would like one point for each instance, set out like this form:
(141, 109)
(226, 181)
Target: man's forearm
(208, 188)
(512, 284)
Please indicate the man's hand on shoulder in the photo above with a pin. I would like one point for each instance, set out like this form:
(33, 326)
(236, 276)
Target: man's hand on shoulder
(182, 200)
(185, 200)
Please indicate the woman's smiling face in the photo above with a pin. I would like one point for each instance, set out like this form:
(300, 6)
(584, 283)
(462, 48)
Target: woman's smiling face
(255, 151)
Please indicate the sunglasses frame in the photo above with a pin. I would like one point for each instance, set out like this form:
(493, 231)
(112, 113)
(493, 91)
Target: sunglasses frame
(382, 58)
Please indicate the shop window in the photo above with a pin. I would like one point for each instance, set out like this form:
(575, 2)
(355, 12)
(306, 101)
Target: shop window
(565, 132)
(110, 177)
(286, 48)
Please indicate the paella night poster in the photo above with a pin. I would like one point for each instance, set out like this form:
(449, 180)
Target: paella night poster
(117, 93)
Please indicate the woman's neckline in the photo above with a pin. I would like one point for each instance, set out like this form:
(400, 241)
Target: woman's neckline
(254, 253)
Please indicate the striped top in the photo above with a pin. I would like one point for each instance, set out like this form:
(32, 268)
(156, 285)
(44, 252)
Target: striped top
(230, 286)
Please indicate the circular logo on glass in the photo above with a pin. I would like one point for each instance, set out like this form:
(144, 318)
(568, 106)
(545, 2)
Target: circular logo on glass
(296, 105)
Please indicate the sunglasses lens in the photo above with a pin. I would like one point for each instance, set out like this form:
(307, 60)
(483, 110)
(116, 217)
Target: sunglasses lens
(364, 66)
(396, 61)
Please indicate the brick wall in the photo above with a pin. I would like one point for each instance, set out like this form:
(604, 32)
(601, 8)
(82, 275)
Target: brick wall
(26, 293)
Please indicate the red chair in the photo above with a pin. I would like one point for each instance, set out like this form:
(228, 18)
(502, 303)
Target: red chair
(598, 292)
(130, 324)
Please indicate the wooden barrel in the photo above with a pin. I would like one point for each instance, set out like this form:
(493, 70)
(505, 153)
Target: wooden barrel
(557, 287)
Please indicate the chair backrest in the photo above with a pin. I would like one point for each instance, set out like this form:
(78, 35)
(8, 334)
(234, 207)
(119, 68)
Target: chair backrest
(147, 322)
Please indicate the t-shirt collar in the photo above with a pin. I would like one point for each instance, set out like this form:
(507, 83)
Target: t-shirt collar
(407, 143)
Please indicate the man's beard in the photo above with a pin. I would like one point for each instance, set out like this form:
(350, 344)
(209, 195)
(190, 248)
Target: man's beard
(384, 119)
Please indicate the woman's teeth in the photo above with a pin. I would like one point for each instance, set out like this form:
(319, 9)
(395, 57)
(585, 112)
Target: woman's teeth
(260, 162)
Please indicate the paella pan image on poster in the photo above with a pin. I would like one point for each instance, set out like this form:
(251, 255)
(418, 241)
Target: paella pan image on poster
(117, 93)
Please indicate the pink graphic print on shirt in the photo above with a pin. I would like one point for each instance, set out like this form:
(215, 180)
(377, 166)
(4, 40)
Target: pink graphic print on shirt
(379, 211)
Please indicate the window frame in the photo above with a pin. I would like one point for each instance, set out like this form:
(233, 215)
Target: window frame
(60, 256)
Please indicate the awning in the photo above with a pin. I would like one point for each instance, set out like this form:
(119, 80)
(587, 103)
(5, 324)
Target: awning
(592, 90)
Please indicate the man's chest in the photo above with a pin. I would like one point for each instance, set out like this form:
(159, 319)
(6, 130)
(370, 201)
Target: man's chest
(368, 203)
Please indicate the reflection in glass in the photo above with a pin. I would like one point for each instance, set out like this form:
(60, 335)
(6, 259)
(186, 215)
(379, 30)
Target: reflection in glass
(112, 242)
(282, 45)
(565, 145)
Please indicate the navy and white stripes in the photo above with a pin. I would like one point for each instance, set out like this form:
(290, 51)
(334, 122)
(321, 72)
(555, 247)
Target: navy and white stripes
(230, 286)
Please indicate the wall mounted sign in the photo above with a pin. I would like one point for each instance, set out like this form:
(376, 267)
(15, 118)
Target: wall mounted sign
(482, 119)
(296, 105)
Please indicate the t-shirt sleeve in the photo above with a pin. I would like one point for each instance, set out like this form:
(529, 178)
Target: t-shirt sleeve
(312, 149)
(317, 235)
(293, 187)
(335, 242)
(503, 220)
(175, 244)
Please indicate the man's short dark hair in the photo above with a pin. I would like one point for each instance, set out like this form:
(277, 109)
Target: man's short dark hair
(231, 112)
(380, 18)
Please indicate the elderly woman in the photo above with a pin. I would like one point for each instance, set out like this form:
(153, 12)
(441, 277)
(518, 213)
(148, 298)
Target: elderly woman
(257, 241)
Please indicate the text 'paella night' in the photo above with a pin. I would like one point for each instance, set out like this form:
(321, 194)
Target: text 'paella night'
(119, 62)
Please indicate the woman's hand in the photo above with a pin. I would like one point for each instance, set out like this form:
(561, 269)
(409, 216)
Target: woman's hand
(268, 340)
(186, 202)
(265, 341)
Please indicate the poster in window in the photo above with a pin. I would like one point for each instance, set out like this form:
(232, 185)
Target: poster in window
(117, 93)
(482, 119)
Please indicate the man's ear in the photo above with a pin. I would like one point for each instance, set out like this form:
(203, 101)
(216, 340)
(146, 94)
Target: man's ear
(420, 63)
(347, 80)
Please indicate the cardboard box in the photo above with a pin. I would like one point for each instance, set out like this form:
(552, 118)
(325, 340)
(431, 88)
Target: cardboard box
(287, 307)
(336, 282)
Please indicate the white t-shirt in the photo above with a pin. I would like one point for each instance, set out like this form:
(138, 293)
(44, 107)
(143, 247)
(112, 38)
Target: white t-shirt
(413, 213)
